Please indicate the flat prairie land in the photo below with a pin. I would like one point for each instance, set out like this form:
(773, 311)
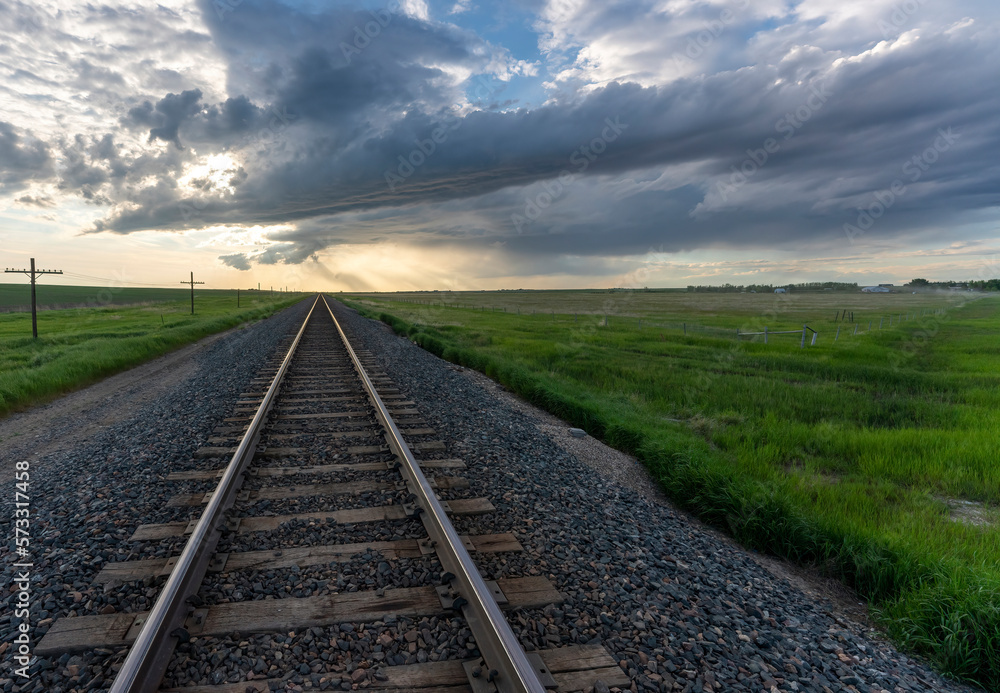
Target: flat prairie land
(872, 454)
(17, 295)
(78, 346)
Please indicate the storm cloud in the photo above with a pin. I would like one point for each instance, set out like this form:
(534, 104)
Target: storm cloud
(621, 132)
(22, 158)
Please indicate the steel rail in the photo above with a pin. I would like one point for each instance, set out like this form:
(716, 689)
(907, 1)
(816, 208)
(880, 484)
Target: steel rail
(508, 667)
(150, 654)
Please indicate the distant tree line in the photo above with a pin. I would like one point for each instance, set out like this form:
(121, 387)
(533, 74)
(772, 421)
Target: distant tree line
(768, 288)
(977, 284)
(919, 283)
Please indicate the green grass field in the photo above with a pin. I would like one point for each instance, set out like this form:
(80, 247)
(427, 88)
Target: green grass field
(17, 296)
(78, 346)
(874, 457)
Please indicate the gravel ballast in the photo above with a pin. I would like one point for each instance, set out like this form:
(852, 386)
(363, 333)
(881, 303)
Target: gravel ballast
(679, 607)
(85, 502)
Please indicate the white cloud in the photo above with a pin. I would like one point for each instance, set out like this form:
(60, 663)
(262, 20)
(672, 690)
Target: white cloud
(416, 9)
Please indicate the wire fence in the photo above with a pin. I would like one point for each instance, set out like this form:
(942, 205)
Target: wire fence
(844, 324)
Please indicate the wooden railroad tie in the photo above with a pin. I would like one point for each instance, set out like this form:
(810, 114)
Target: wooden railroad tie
(209, 474)
(307, 490)
(574, 668)
(304, 556)
(227, 452)
(459, 506)
(79, 633)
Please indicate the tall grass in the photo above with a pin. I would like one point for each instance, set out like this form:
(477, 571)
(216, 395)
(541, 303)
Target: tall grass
(846, 456)
(81, 346)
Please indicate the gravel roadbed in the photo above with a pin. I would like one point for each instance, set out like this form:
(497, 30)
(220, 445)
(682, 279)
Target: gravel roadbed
(678, 606)
(87, 500)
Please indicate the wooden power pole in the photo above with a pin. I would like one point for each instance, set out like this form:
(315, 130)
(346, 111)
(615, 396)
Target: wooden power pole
(192, 282)
(34, 307)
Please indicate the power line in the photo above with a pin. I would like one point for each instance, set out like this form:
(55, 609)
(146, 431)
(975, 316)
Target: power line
(192, 282)
(33, 273)
(113, 281)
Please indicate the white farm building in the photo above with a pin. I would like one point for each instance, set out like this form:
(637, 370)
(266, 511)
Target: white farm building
(875, 290)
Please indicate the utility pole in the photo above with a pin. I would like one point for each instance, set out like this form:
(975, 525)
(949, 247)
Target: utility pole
(192, 282)
(34, 309)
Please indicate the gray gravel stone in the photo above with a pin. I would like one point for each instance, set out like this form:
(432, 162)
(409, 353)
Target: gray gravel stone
(678, 607)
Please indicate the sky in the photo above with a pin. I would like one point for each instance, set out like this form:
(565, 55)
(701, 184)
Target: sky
(414, 144)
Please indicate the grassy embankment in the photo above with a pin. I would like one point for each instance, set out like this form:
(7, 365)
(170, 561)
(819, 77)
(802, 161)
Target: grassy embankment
(873, 457)
(79, 346)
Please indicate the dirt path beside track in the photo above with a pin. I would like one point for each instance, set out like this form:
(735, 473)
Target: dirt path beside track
(61, 424)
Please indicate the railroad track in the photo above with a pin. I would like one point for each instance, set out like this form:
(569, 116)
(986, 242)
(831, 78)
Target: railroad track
(325, 465)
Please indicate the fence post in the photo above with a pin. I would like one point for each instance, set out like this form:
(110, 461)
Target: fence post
(765, 334)
(815, 335)
(837, 336)
(869, 325)
(802, 345)
(855, 328)
(880, 323)
(685, 329)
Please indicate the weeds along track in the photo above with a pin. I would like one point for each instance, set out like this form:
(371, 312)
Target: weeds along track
(314, 520)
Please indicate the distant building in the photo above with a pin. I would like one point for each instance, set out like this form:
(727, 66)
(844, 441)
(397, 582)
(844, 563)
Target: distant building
(779, 291)
(875, 290)
(887, 286)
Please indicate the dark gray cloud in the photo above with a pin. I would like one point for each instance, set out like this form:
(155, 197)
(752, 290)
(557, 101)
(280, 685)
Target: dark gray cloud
(164, 119)
(236, 261)
(358, 127)
(36, 201)
(233, 118)
(22, 158)
(838, 133)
